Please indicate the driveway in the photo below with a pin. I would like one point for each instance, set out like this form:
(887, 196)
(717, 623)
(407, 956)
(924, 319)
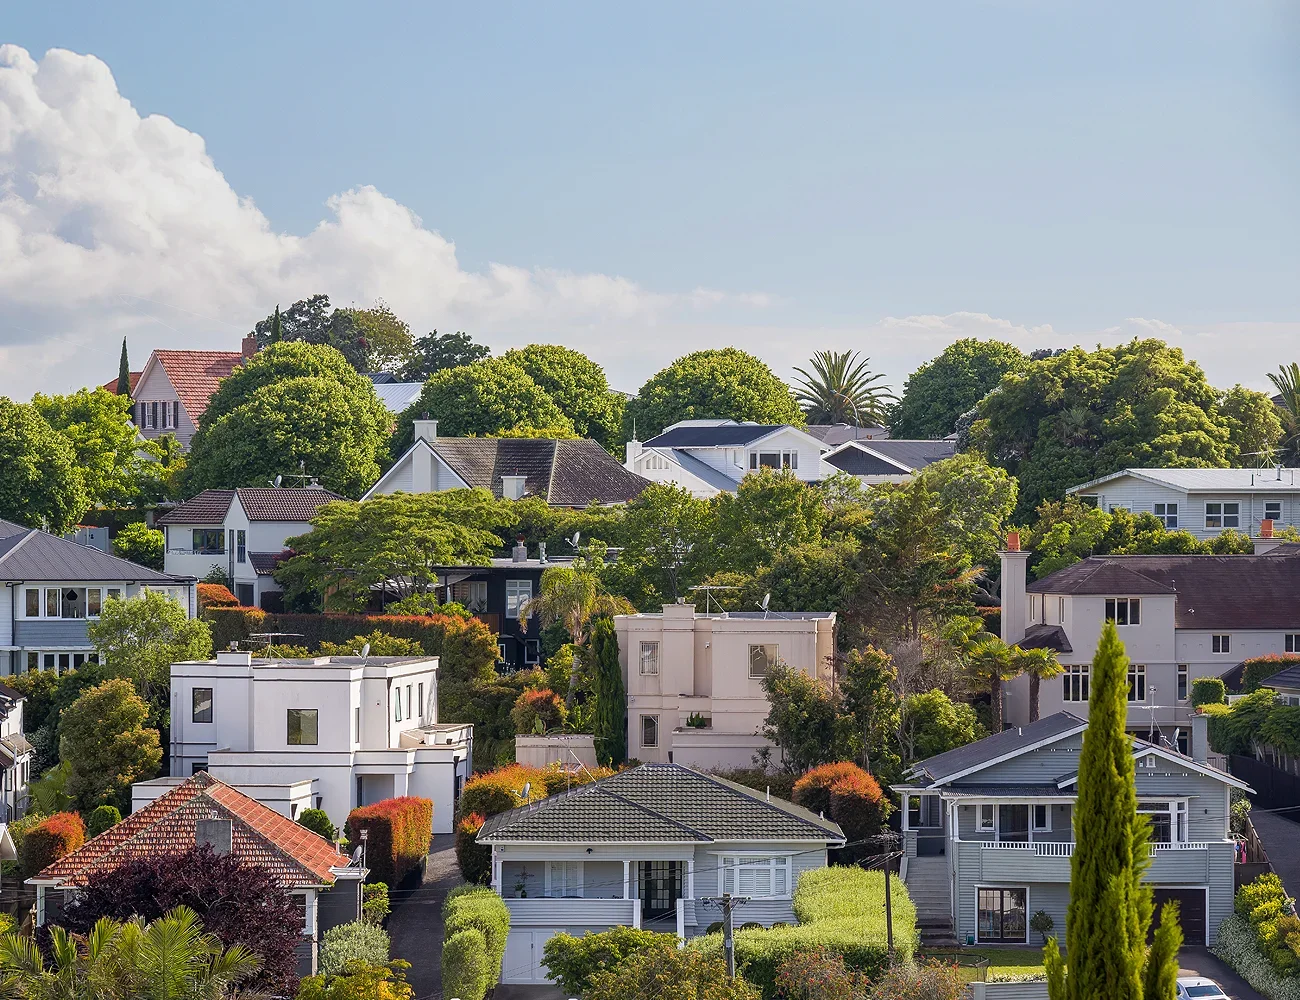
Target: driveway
(528, 993)
(415, 924)
(1278, 832)
(1199, 962)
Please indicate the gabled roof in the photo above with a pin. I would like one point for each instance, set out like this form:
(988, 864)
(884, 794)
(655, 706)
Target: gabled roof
(724, 434)
(999, 747)
(1205, 480)
(264, 563)
(259, 836)
(857, 459)
(1287, 679)
(1143, 749)
(1046, 637)
(111, 385)
(1099, 575)
(195, 374)
(659, 803)
(702, 471)
(32, 554)
(260, 503)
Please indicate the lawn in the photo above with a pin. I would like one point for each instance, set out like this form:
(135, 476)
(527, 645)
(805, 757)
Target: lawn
(1001, 961)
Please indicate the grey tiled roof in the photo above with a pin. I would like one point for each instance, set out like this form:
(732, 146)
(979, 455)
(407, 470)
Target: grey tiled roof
(833, 435)
(717, 436)
(574, 473)
(1046, 637)
(660, 802)
(999, 745)
(1289, 679)
(32, 554)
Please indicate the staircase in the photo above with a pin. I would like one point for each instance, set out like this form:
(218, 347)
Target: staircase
(931, 892)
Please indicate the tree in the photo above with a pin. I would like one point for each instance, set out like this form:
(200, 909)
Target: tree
(140, 544)
(664, 970)
(1110, 906)
(1041, 665)
(312, 321)
(871, 704)
(389, 346)
(394, 541)
(485, 399)
(141, 638)
(437, 351)
(104, 737)
(842, 390)
(611, 695)
(1254, 427)
(124, 373)
(360, 981)
(991, 663)
(803, 720)
(769, 513)
(168, 959)
(106, 450)
(579, 388)
(359, 940)
(667, 546)
(277, 331)
(318, 822)
(102, 818)
(725, 383)
(240, 904)
(1286, 380)
(931, 723)
(944, 388)
(42, 485)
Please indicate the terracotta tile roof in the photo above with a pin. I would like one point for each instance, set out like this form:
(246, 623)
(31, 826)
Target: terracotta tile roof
(259, 836)
(195, 374)
(111, 385)
(260, 503)
(208, 507)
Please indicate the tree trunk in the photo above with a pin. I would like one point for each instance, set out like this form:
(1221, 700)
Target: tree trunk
(1034, 682)
(995, 700)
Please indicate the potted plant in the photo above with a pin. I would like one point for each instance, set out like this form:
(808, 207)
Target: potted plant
(1042, 923)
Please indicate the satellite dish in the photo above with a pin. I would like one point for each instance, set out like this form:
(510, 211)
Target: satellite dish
(365, 651)
(574, 540)
(528, 787)
(356, 856)
(278, 480)
(767, 599)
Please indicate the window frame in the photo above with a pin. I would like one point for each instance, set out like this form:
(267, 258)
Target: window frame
(1183, 682)
(205, 548)
(303, 715)
(1221, 644)
(195, 710)
(1076, 681)
(1275, 518)
(991, 826)
(532, 651)
(1128, 608)
(1291, 642)
(1221, 517)
(774, 659)
(1167, 513)
(1034, 826)
(648, 666)
(651, 721)
(1137, 683)
(518, 593)
(1002, 892)
(733, 865)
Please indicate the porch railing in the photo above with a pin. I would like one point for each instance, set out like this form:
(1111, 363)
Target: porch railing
(1065, 849)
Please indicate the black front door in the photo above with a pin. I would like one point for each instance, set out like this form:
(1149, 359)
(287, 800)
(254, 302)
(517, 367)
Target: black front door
(661, 887)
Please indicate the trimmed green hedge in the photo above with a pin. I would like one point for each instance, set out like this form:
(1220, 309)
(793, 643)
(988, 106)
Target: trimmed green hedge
(1209, 691)
(1261, 668)
(359, 940)
(572, 961)
(466, 973)
(476, 924)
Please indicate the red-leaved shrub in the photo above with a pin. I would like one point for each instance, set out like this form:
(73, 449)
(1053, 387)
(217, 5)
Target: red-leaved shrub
(51, 839)
(475, 859)
(813, 790)
(846, 794)
(538, 704)
(400, 831)
(215, 595)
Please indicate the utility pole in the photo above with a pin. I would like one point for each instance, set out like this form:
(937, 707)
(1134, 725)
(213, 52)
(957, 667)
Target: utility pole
(889, 912)
(728, 902)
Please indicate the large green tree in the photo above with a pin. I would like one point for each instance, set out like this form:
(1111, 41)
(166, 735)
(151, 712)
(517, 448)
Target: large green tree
(140, 544)
(105, 738)
(579, 388)
(1110, 905)
(388, 342)
(1254, 427)
(726, 383)
(109, 455)
(668, 545)
(484, 399)
(769, 513)
(611, 695)
(141, 637)
(41, 485)
(842, 389)
(931, 723)
(975, 500)
(314, 321)
(944, 388)
(435, 351)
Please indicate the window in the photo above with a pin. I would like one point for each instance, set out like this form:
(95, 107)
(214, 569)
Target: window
(153, 415)
(649, 730)
(1076, 681)
(408, 701)
(112, 594)
(356, 724)
(52, 603)
(241, 545)
(1137, 682)
(1119, 506)
(304, 727)
(1001, 915)
(774, 460)
(986, 817)
(420, 695)
(1088, 499)
(1124, 610)
(201, 700)
(33, 661)
(1033, 607)
(563, 878)
(1060, 610)
(757, 878)
(1272, 510)
(1041, 818)
(762, 659)
(300, 904)
(532, 650)
(1222, 514)
(94, 602)
(518, 593)
(1162, 820)
(1293, 642)
(1221, 643)
(34, 604)
(1167, 513)
(649, 658)
(1182, 682)
(397, 704)
(209, 542)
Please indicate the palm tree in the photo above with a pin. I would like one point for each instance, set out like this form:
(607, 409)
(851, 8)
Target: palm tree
(1287, 383)
(1040, 665)
(991, 663)
(841, 390)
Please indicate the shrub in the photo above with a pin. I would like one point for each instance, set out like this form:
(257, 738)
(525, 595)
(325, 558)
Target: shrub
(1262, 890)
(664, 970)
(1209, 691)
(381, 644)
(215, 595)
(102, 818)
(1041, 923)
(932, 981)
(539, 705)
(374, 902)
(358, 941)
(475, 859)
(778, 784)
(361, 982)
(818, 974)
(572, 961)
(1260, 668)
(401, 830)
(317, 821)
(813, 790)
(483, 914)
(847, 794)
(1238, 947)
(465, 970)
(51, 839)
(497, 791)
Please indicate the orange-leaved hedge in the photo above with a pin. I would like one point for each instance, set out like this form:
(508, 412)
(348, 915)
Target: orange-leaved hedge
(215, 595)
(475, 859)
(847, 794)
(537, 704)
(400, 832)
(496, 791)
(52, 838)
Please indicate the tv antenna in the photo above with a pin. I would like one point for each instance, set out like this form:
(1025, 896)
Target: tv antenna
(708, 589)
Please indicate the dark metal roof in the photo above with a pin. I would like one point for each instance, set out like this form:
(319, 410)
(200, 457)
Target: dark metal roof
(1046, 637)
(656, 802)
(726, 435)
(1288, 679)
(857, 462)
(914, 454)
(32, 554)
(1007, 743)
(574, 473)
(260, 503)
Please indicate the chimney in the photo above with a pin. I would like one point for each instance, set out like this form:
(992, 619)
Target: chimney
(520, 552)
(1200, 737)
(541, 552)
(512, 487)
(633, 453)
(248, 347)
(215, 833)
(1013, 541)
(1015, 602)
(1266, 528)
(426, 429)
(1267, 541)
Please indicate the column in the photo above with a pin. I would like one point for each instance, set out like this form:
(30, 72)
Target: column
(626, 878)
(496, 873)
(906, 799)
(690, 878)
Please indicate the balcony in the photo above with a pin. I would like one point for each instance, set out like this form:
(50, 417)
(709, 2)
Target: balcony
(1050, 861)
(574, 911)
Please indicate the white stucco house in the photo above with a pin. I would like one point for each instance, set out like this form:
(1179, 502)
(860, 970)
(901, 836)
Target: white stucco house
(240, 532)
(695, 681)
(1205, 502)
(359, 729)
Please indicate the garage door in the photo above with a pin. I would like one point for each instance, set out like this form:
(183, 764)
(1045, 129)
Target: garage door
(1191, 913)
(523, 958)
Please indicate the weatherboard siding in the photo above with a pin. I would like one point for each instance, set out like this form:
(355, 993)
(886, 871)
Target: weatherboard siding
(1141, 497)
(1043, 766)
(52, 633)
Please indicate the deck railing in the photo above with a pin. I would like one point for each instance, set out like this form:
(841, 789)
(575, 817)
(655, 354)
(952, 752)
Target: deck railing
(1065, 849)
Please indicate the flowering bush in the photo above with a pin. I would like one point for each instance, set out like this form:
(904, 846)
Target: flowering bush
(847, 794)
(215, 595)
(401, 830)
(818, 974)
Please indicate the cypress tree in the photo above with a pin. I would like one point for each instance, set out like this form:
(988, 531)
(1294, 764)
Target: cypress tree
(611, 695)
(275, 325)
(1110, 906)
(124, 373)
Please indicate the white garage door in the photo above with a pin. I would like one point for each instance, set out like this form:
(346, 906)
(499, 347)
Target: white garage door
(523, 959)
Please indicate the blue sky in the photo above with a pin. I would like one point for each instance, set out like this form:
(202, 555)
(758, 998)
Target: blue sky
(878, 177)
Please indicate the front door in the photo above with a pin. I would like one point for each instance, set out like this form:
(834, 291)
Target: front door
(661, 887)
(1013, 823)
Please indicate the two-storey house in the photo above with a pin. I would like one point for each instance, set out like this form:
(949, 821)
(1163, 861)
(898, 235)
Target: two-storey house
(174, 387)
(359, 728)
(240, 532)
(1181, 617)
(15, 755)
(695, 681)
(53, 587)
(988, 832)
(1205, 502)
(645, 848)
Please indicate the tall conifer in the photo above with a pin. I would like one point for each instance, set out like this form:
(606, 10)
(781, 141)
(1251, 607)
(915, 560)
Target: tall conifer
(124, 373)
(275, 325)
(611, 695)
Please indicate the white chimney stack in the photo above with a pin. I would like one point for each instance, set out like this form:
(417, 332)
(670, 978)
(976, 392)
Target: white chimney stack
(1015, 602)
(426, 430)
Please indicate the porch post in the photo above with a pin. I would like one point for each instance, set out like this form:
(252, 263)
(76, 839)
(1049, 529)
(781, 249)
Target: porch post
(681, 923)
(906, 800)
(626, 880)
(690, 878)
(496, 873)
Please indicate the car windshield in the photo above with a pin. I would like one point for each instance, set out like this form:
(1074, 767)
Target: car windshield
(1204, 991)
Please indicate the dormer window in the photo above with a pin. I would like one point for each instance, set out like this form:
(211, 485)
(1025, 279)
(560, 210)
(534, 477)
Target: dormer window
(773, 460)
(1124, 610)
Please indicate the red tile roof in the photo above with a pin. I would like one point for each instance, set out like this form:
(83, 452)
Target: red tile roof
(111, 385)
(259, 836)
(195, 374)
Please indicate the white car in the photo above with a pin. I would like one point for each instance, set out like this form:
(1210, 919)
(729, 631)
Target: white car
(1196, 988)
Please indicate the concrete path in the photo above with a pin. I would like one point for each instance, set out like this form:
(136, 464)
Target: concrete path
(415, 924)
(1279, 833)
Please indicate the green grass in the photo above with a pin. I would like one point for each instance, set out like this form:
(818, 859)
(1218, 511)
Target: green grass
(1008, 961)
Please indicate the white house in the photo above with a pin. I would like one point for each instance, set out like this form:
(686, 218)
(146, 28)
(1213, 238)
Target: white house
(240, 532)
(1180, 616)
(695, 681)
(15, 755)
(172, 391)
(361, 729)
(644, 848)
(1205, 502)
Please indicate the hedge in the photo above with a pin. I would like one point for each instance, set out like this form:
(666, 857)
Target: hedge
(401, 831)
(1209, 691)
(1265, 904)
(474, 859)
(1261, 668)
(361, 940)
(466, 974)
(496, 791)
(572, 961)
(1238, 947)
(49, 840)
(473, 916)
(215, 595)
(839, 908)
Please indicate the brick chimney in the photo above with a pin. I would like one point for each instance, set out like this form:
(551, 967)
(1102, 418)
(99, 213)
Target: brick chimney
(249, 346)
(1266, 528)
